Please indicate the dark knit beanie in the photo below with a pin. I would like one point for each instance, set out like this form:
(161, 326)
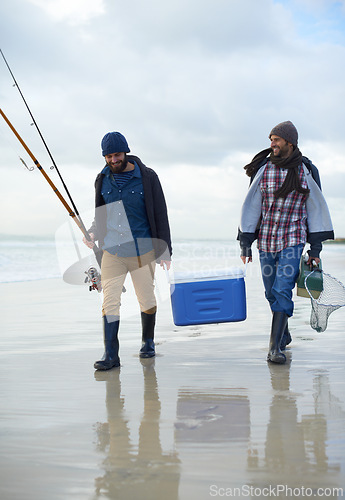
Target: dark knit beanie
(287, 131)
(114, 142)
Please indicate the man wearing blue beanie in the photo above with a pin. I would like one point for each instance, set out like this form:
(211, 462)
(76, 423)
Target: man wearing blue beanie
(132, 229)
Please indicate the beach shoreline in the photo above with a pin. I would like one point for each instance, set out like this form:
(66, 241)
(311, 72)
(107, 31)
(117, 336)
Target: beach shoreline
(208, 414)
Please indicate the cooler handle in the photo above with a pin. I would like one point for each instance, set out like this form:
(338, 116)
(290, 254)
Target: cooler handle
(166, 272)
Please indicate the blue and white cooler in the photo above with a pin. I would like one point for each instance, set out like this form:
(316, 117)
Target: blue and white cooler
(202, 297)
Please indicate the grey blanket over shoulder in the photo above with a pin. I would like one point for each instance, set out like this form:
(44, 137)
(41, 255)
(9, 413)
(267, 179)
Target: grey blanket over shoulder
(319, 221)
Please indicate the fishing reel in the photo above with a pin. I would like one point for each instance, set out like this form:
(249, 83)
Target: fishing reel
(94, 279)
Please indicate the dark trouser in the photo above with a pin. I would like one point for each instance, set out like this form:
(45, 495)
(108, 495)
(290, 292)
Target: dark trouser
(279, 274)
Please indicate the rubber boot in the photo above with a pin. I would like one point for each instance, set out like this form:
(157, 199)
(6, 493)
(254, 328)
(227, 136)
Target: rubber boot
(286, 339)
(148, 322)
(279, 322)
(111, 345)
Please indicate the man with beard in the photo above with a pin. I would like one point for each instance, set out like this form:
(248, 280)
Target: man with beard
(284, 209)
(132, 229)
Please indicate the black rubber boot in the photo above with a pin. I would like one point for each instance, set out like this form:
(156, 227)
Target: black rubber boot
(111, 344)
(148, 322)
(279, 322)
(286, 339)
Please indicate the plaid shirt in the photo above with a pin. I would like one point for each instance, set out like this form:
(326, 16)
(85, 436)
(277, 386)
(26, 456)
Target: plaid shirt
(284, 221)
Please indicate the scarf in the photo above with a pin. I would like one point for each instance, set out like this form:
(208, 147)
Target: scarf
(291, 163)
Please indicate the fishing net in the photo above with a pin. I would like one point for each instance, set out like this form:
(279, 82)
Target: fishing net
(331, 298)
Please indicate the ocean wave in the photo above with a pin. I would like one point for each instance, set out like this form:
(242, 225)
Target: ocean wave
(11, 241)
(26, 258)
(29, 258)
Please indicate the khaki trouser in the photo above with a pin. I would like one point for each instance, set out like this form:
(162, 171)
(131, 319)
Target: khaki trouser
(114, 270)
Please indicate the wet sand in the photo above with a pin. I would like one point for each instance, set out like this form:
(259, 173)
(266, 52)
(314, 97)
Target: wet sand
(208, 418)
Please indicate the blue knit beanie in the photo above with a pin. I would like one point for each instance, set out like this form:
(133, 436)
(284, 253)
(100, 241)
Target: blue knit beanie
(114, 142)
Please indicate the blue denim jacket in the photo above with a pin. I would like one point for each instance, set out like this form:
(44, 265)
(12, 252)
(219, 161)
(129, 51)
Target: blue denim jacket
(128, 229)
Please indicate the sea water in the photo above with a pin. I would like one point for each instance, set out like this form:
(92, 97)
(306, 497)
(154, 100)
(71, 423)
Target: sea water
(27, 258)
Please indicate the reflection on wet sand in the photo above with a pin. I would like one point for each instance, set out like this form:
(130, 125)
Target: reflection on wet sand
(147, 473)
(295, 448)
(212, 434)
(216, 417)
(214, 437)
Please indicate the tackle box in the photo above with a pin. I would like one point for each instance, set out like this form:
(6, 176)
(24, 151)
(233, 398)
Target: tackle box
(314, 281)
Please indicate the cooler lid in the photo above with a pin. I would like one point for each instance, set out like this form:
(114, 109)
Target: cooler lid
(208, 275)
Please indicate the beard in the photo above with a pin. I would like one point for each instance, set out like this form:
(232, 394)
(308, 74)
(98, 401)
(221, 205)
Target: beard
(119, 167)
(283, 151)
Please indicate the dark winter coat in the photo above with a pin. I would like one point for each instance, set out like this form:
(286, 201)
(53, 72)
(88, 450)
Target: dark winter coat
(155, 207)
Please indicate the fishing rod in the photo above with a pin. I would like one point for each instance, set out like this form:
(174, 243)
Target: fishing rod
(43, 140)
(92, 273)
(73, 213)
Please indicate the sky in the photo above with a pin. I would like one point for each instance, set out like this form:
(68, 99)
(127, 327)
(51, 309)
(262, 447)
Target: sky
(195, 86)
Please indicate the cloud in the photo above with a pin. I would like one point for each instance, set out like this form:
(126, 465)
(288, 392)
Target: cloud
(195, 87)
(218, 27)
(210, 75)
(75, 12)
